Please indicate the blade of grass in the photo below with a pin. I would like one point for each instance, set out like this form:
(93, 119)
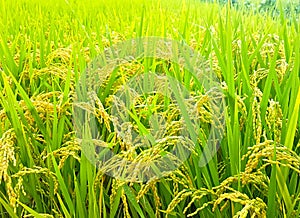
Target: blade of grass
(271, 211)
(80, 211)
(116, 202)
(63, 187)
(64, 209)
(31, 211)
(8, 208)
(132, 199)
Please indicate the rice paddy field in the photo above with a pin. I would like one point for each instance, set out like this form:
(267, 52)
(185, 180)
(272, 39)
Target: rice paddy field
(142, 108)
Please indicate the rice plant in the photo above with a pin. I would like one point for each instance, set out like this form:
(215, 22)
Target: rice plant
(54, 53)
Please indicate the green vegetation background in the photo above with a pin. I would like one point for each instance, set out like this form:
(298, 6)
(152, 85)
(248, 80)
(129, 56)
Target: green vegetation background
(46, 45)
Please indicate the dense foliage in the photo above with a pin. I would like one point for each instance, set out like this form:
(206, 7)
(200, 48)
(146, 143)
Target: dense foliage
(47, 45)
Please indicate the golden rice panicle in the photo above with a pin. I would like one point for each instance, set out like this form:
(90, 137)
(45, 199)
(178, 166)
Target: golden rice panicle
(183, 194)
(7, 156)
(269, 46)
(199, 209)
(215, 64)
(242, 110)
(125, 204)
(114, 190)
(116, 184)
(257, 125)
(267, 49)
(203, 109)
(38, 170)
(128, 70)
(100, 113)
(12, 196)
(257, 76)
(14, 192)
(182, 177)
(7, 153)
(197, 196)
(282, 68)
(69, 149)
(258, 179)
(44, 107)
(3, 117)
(61, 55)
(255, 153)
(264, 152)
(157, 200)
(225, 184)
(274, 119)
(255, 207)
(145, 188)
(113, 38)
(99, 179)
(151, 185)
(50, 72)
